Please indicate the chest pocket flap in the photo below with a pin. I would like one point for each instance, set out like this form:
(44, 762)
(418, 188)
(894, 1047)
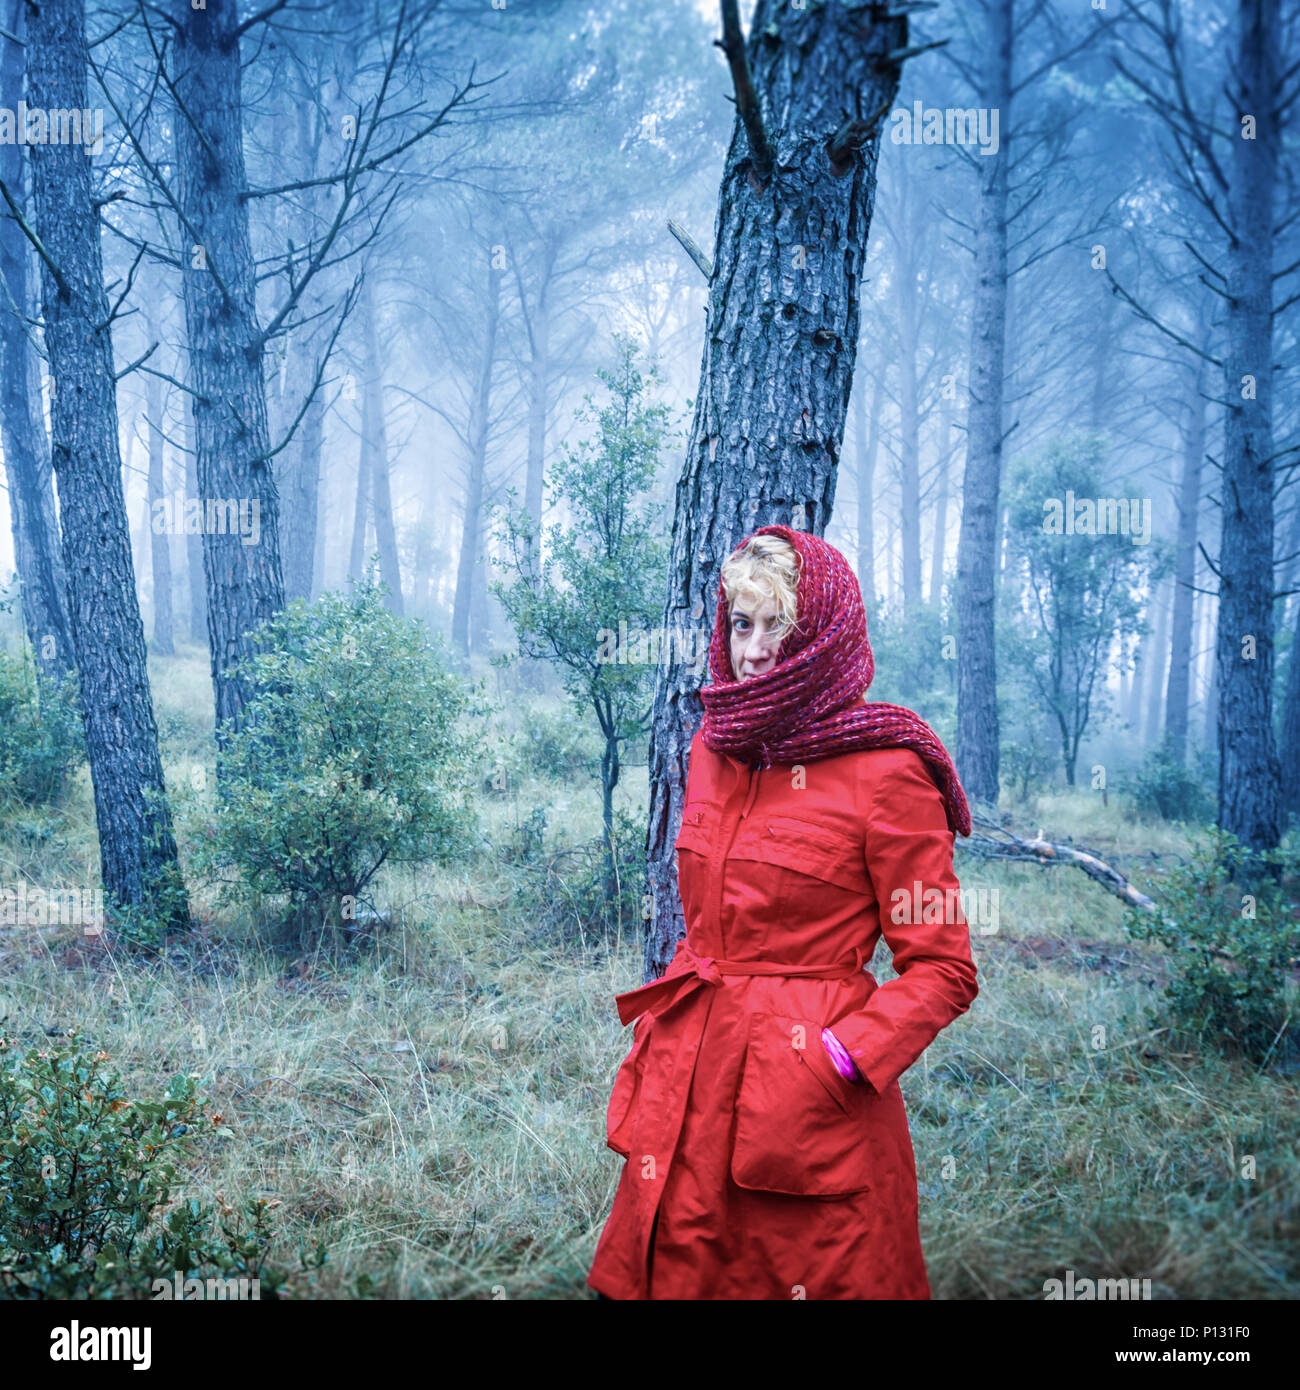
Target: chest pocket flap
(806, 847)
(699, 823)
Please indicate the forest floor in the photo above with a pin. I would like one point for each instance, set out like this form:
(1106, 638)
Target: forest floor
(432, 1107)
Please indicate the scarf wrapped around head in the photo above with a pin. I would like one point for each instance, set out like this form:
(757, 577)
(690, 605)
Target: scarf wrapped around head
(809, 705)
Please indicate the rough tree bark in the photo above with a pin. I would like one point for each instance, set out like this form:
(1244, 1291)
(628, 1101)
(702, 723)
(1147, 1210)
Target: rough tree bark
(977, 549)
(1249, 772)
(137, 850)
(32, 515)
(219, 276)
(794, 209)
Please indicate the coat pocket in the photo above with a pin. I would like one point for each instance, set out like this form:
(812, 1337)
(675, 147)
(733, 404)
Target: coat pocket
(806, 848)
(796, 1132)
(620, 1115)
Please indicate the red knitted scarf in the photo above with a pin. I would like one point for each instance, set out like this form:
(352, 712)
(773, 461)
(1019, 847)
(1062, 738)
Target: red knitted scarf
(809, 705)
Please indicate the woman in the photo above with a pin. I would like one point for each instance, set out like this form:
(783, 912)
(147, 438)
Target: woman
(767, 1146)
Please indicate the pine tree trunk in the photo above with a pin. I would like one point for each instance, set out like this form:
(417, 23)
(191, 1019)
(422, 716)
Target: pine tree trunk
(1211, 726)
(866, 437)
(194, 538)
(1102, 357)
(301, 513)
(33, 520)
(159, 536)
(977, 550)
(318, 563)
(1249, 773)
(299, 479)
(777, 369)
(422, 564)
(538, 378)
(909, 443)
(244, 584)
(1178, 692)
(385, 533)
(1157, 657)
(480, 610)
(137, 850)
(1289, 735)
(359, 553)
(941, 507)
(472, 519)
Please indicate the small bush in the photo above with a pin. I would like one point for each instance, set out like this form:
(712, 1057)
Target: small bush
(86, 1181)
(41, 739)
(354, 755)
(572, 896)
(1166, 787)
(556, 745)
(1230, 949)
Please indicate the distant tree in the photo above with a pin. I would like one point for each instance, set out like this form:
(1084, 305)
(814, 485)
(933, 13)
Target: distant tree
(1228, 158)
(27, 467)
(1016, 52)
(603, 570)
(1082, 588)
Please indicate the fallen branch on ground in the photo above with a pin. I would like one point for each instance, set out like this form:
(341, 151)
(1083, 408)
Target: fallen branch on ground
(1042, 851)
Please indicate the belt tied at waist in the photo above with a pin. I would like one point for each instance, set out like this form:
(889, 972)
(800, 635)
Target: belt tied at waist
(688, 971)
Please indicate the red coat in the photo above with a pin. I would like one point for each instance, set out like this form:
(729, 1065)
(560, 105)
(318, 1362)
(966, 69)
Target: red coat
(754, 1170)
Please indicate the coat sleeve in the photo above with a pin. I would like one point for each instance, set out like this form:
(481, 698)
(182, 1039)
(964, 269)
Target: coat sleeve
(909, 856)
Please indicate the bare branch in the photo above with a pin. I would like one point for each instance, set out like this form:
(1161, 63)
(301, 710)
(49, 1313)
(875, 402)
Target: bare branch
(139, 361)
(898, 56)
(691, 247)
(1200, 545)
(189, 390)
(259, 18)
(1117, 288)
(732, 44)
(348, 303)
(130, 280)
(29, 232)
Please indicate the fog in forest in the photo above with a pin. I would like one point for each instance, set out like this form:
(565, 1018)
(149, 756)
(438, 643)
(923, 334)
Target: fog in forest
(383, 385)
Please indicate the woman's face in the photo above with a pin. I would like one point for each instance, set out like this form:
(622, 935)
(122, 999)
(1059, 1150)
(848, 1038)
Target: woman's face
(754, 637)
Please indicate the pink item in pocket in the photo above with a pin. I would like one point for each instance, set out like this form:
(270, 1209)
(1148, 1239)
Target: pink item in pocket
(844, 1064)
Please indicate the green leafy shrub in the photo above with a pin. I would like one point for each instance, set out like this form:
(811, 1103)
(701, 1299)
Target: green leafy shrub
(1166, 787)
(550, 745)
(355, 754)
(910, 668)
(41, 739)
(86, 1187)
(1230, 950)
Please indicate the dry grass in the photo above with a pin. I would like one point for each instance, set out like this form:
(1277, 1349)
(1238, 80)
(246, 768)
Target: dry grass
(433, 1107)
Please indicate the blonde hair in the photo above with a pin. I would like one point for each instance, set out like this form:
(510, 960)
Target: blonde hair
(765, 567)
